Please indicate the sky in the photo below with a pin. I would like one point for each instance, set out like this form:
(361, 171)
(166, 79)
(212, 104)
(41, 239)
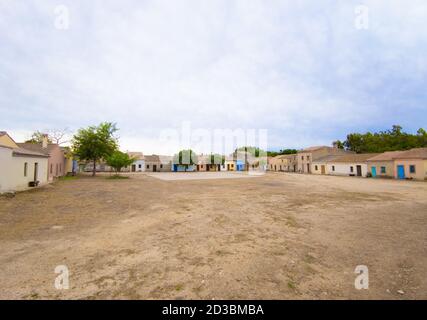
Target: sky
(307, 72)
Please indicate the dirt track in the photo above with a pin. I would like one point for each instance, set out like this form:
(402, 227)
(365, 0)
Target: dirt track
(278, 236)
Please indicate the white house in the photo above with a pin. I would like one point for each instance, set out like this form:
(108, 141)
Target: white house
(139, 164)
(20, 169)
(343, 165)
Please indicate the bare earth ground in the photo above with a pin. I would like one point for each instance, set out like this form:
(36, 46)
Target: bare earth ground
(279, 236)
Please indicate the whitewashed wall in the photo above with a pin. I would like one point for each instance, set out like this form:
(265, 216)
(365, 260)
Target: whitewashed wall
(12, 171)
(343, 169)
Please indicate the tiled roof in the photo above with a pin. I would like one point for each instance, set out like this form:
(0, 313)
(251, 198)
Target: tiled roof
(152, 158)
(386, 156)
(37, 147)
(315, 148)
(26, 152)
(417, 153)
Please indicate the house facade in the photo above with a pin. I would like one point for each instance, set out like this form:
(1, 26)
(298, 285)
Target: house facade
(20, 169)
(139, 164)
(306, 157)
(57, 160)
(411, 164)
(382, 165)
(156, 163)
(353, 165)
(285, 163)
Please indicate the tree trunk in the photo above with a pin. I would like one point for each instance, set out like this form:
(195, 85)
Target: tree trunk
(94, 168)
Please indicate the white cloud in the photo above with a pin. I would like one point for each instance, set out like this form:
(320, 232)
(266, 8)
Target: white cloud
(299, 69)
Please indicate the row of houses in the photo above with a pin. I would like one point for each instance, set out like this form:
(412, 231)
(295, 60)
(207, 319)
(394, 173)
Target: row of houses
(240, 161)
(324, 160)
(25, 165)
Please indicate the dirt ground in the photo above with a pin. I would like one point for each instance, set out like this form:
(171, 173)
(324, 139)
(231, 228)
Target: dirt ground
(278, 236)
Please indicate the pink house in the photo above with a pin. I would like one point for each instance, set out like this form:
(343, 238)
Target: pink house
(56, 160)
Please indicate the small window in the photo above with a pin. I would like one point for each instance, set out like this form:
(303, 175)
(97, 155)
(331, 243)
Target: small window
(139, 166)
(383, 170)
(351, 169)
(148, 166)
(412, 169)
(25, 169)
(333, 168)
(315, 168)
(302, 157)
(161, 166)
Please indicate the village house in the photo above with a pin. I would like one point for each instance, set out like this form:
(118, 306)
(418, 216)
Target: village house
(284, 162)
(343, 165)
(230, 163)
(382, 165)
(305, 157)
(139, 162)
(202, 162)
(56, 162)
(20, 169)
(411, 164)
(70, 164)
(157, 163)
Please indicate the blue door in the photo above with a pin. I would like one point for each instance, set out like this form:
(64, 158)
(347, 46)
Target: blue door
(374, 171)
(401, 172)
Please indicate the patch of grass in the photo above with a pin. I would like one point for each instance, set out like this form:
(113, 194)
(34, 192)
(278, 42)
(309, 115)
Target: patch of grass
(179, 287)
(65, 178)
(117, 177)
(291, 285)
(291, 222)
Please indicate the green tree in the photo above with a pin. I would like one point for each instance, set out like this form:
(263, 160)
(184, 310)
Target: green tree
(118, 160)
(389, 140)
(185, 158)
(95, 143)
(217, 159)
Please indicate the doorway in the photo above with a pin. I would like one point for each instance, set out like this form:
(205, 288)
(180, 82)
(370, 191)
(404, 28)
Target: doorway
(401, 172)
(133, 168)
(154, 168)
(36, 171)
(359, 171)
(322, 169)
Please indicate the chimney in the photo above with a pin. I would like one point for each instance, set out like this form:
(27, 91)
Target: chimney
(45, 141)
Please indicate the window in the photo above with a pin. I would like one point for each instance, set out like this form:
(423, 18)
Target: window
(302, 157)
(315, 168)
(351, 169)
(51, 168)
(412, 168)
(161, 166)
(139, 166)
(60, 168)
(148, 166)
(383, 170)
(333, 168)
(25, 169)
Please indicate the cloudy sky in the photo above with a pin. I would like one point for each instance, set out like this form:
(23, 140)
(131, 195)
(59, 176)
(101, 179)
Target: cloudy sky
(304, 70)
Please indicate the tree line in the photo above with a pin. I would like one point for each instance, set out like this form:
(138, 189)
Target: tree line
(382, 141)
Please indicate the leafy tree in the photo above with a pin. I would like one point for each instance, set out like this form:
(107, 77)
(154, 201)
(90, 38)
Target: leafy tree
(118, 160)
(185, 158)
(389, 140)
(95, 143)
(217, 159)
(284, 151)
(254, 151)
